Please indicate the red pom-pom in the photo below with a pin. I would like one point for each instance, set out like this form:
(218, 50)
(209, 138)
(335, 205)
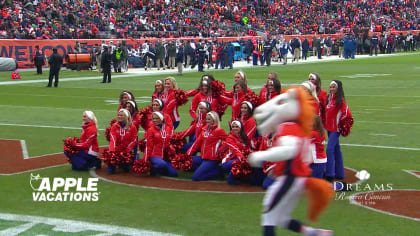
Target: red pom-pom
(142, 144)
(217, 87)
(69, 146)
(241, 168)
(181, 97)
(252, 98)
(345, 126)
(141, 166)
(116, 157)
(108, 130)
(267, 167)
(182, 161)
(143, 113)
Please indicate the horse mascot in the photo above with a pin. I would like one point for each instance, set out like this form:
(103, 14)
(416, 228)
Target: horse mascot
(288, 119)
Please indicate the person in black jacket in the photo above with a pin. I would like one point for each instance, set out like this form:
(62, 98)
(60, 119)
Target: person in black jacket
(39, 60)
(106, 65)
(55, 61)
(180, 58)
(305, 48)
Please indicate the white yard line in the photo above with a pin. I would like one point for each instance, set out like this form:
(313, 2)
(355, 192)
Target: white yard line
(387, 122)
(379, 146)
(387, 135)
(411, 173)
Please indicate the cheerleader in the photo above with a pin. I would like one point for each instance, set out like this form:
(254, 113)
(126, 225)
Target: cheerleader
(206, 94)
(171, 105)
(158, 90)
(239, 76)
(196, 126)
(240, 91)
(125, 96)
(236, 143)
(271, 89)
(131, 106)
(157, 105)
(318, 150)
(250, 126)
(87, 157)
(123, 137)
(321, 94)
(157, 139)
(336, 110)
(208, 141)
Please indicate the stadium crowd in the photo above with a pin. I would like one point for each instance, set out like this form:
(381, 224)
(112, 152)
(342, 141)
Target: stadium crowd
(83, 19)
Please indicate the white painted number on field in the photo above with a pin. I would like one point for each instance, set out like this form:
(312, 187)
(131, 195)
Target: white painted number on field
(29, 227)
(364, 75)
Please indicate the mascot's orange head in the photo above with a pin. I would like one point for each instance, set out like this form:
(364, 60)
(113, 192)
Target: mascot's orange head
(291, 106)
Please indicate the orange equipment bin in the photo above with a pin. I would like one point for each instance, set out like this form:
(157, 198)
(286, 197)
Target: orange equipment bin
(78, 58)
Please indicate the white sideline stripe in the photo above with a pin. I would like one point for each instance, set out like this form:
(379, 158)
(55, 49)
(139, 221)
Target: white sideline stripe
(411, 173)
(72, 226)
(24, 149)
(17, 229)
(388, 135)
(352, 201)
(379, 146)
(93, 174)
(388, 122)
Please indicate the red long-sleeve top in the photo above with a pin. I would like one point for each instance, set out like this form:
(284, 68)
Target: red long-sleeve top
(89, 139)
(334, 114)
(209, 140)
(123, 139)
(157, 138)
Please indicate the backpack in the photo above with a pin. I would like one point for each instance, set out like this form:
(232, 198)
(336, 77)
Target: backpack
(15, 75)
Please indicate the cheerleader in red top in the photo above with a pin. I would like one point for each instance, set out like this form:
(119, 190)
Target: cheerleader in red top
(239, 76)
(236, 143)
(318, 150)
(196, 126)
(310, 89)
(131, 106)
(240, 91)
(157, 105)
(321, 94)
(125, 96)
(158, 90)
(250, 126)
(208, 141)
(169, 99)
(205, 94)
(271, 89)
(123, 137)
(336, 111)
(87, 157)
(157, 139)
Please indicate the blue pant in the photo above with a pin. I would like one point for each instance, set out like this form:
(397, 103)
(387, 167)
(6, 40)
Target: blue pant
(318, 170)
(175, 124)
(255, 59)
(207, 170)
(82, 160)
(221, 61)
(335, 165)
(196, 162)
(162, 167)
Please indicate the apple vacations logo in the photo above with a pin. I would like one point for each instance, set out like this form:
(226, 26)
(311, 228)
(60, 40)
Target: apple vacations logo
(59, 189)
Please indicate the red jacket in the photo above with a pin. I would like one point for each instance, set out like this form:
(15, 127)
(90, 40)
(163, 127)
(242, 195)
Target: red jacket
(149, 122)
(89, 139)
(333, 114)
(136, 120)
(171, 106)
(156, 141)
(123, 139)
(250, 126)
(199, 97)
(295, 166)
(263, 95)
(318, 152)
(195, 127)
(322, 97)
(235, 145)
(156, 95)
(315, 105)
(209, 140)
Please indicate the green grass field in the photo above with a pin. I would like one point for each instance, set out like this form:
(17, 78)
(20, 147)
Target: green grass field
(384, 98)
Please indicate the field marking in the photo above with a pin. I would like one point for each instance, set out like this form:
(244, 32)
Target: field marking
(387, 122)
(50, 95)
(387, 135)
(50, 126)
(364, 75)
(352, 201)
(93, 174)
(71, 226)
(388, 96)
(375, 109)
(24, 149)
(379, 146)
(52, 108)
(411, 172)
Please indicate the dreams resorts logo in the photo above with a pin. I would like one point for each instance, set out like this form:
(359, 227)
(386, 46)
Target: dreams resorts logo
(59, 189)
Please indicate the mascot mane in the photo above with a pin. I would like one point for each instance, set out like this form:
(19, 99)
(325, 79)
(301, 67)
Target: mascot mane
(306, 114)
(293, 105)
